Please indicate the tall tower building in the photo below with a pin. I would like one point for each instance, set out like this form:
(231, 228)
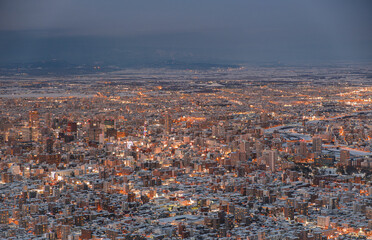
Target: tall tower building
(168, 123)
(317, 145)
(303, 149)
(4, 216)
(33, 118)
(244, 146)
(65, 231)
(49, 145)
(33, 122)
(271, 156)
(48, 120)
(344, 156)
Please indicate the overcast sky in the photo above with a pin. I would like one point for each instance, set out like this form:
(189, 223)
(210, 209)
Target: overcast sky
(210, 30)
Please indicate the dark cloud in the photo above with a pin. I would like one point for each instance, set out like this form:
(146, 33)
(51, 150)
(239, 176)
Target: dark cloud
(238, 30)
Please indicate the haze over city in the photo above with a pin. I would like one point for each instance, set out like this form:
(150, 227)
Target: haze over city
(141, 32)
(186, 119)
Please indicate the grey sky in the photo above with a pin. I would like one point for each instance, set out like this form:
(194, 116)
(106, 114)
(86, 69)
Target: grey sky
(235, 30)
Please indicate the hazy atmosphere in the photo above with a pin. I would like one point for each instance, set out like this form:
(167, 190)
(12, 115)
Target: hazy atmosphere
(143, 31)
(186, 119)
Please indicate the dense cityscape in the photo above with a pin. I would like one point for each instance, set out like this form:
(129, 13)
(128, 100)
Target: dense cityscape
(247, 152)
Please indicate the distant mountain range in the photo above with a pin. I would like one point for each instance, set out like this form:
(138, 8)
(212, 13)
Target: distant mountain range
(60, 67)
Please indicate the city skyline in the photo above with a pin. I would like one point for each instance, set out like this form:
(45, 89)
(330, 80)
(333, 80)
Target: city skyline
(185, 119)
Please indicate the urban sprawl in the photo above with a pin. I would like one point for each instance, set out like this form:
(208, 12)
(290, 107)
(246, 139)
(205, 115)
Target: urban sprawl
(274, 152)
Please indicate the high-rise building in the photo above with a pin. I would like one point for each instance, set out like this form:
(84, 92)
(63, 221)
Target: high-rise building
(26, 134)
(94, 131)
(323, 221)
(303, 149)
(214, 131)
(65, 231)
(48, 120)
(244, 146)
(168, 123)
(33, 118)
(49, 145)
(40, 228)
(33, 123)
(344, 156)
(317, 145)
(34, 134)
(4, 216)
(264, 118)
(271, 156)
